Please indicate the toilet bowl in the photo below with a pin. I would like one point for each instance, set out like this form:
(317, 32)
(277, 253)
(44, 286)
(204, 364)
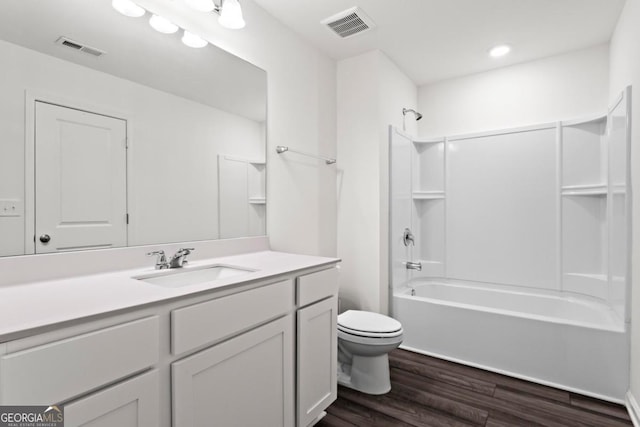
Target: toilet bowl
(364, 342)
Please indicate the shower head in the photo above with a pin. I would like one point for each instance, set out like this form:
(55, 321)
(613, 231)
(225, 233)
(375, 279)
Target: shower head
(409, 110)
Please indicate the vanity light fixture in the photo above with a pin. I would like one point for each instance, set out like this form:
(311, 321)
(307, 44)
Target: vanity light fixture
(192, 40)
(128, 8)
(231, 15)
(162, 25)
(500, 50)
(229, 10)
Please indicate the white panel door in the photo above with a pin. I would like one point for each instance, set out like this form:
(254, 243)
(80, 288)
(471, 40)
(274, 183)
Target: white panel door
(317, 359)
(246, 381)
(81, 193)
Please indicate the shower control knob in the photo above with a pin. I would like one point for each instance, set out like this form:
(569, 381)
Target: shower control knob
(45, 238)
(407, 237)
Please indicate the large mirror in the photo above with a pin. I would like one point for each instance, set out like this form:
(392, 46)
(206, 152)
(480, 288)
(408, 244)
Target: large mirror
(113, 134)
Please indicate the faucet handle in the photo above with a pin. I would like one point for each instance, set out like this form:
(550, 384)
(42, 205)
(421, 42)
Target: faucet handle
(180, 257)
(185, 252)
(161, 260)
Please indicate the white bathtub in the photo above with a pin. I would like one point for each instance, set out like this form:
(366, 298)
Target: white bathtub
(573, 343)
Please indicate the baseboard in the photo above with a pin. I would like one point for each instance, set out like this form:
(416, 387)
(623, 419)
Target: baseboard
(633, 409)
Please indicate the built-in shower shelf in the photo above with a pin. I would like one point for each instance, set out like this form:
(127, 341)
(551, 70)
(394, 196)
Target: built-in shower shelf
(428, 140)
(585, 190)
(427, 195)
(257, 200)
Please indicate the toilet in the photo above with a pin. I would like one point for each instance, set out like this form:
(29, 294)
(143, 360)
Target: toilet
(364, 342)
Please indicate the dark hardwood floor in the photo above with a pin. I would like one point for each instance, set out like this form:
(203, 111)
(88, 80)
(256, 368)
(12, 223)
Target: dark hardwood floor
(426, 391)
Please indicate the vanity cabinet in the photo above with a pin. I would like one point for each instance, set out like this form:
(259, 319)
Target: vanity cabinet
(262, 353)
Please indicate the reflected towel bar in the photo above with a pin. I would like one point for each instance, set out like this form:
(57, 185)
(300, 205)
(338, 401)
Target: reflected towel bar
(281, 149)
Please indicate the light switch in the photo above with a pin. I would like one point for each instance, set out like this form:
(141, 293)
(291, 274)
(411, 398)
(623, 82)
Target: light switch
(11, 207)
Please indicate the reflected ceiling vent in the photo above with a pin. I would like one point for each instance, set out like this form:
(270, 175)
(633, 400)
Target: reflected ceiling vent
(348, 23)
(72, 44)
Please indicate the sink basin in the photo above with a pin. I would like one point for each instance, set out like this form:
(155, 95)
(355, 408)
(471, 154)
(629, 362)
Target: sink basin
(177, 278)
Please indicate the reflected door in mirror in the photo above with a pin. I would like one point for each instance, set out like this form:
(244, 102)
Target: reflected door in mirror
(81, 188)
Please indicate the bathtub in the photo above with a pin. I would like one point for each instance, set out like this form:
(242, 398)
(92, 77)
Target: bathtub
(570, 342)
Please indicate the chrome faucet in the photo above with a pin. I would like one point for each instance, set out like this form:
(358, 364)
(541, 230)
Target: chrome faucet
(161, 260)
(179, 259)
(407, 237)
(414, 265)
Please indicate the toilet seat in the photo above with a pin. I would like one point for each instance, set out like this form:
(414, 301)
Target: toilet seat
(364, 334)
(369, 325)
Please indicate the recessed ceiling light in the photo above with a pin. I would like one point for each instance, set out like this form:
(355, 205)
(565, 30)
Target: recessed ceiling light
(162, 25)
(500, 50)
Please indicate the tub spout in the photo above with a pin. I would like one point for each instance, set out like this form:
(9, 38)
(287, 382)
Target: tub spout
(414, 265)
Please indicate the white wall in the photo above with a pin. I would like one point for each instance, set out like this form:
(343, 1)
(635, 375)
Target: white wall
(371, 94)
(566, 86)
(301, 198)
(174, 142)
(625, 70)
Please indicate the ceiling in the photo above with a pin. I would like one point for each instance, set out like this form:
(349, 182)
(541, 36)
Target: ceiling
(432, 40)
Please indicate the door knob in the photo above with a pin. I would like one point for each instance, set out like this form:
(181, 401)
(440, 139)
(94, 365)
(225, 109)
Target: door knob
(45, 238)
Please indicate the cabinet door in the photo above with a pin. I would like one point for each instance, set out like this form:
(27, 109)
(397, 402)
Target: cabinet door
(244, 382)
(133, 403)
(317, 359)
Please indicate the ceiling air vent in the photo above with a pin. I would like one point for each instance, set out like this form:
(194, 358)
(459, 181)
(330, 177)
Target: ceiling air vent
(72, 44)
(349, 22)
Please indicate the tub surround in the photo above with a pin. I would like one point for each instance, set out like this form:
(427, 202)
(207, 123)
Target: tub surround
(534, 283)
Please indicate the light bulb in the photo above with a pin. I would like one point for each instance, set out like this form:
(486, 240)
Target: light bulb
(231, 15)
(162, 25)
(192, 40)
(201, 5)
(128, 8)
(498, 51)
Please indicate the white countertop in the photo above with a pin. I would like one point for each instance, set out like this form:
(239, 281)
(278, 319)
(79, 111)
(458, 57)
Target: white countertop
(30, 306)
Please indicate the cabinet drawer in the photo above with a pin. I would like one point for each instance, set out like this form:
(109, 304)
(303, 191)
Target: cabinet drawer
(316, 286)
(63, 369)
(214, 320)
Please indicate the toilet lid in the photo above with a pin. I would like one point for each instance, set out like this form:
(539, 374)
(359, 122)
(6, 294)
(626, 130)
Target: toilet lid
(366, 321)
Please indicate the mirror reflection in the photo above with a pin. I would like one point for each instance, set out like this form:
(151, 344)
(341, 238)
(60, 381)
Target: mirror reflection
(114, 134)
